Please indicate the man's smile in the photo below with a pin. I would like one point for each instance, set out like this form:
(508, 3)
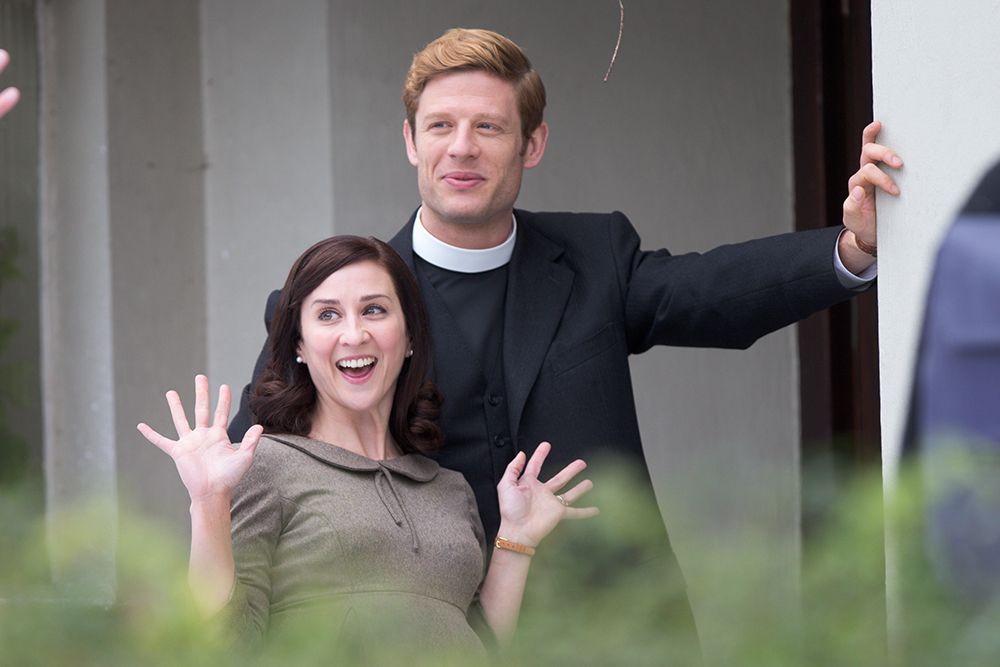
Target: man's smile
(463, 180)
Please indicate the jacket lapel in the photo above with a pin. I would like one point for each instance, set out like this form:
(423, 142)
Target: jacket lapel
(402, 243)
(538, 288)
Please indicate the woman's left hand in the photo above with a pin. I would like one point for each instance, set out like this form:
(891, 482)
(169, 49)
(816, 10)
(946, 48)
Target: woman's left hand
(530, 508)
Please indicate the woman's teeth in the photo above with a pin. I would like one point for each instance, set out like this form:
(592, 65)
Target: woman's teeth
(356, 363)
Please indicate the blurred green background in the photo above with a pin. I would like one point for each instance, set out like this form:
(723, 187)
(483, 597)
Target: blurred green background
(590, 599)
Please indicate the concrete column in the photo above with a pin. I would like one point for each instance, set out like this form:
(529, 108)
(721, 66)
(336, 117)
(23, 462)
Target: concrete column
(156, 210)
(78, 334)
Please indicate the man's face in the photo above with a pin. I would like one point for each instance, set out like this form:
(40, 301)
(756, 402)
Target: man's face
(469, 154)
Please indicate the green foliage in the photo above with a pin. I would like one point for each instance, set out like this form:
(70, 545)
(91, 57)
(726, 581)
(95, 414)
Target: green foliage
(597, 596)
(607, 591)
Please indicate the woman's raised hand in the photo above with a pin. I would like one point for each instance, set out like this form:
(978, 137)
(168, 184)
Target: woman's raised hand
(530, 508)
(206, 460)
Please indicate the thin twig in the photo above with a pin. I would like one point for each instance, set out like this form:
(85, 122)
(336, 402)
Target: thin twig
(621, 27)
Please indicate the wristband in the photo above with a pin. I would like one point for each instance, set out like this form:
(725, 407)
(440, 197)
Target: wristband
(504, 543)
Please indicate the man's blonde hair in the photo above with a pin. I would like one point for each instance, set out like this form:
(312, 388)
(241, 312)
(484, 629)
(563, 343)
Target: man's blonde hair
(462, 49)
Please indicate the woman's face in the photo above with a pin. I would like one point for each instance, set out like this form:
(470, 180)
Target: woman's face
(354, 341)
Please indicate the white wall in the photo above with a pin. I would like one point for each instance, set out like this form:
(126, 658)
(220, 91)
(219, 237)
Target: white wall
(937, 91)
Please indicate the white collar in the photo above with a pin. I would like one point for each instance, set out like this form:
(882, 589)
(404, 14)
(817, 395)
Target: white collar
(462, 260)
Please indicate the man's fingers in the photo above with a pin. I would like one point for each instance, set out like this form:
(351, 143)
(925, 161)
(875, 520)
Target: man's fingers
(177, 413)
(200, 401)
(878, 153)
(164, 444)
(534, 466)
(870, 176)
(870, 133)
(222, 407)
(852, 205)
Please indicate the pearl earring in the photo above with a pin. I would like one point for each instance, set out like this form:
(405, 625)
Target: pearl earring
(298, 359)
(409, 353)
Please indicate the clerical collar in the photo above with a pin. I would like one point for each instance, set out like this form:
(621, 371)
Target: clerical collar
(462, 260)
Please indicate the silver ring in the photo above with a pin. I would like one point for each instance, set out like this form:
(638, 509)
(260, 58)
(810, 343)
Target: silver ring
(562, 500)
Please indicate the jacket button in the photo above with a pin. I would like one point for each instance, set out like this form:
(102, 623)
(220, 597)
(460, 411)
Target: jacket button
(495, 399)
(500, 440)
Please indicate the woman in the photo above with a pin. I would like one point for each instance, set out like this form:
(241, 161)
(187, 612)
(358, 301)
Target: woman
(337, 510)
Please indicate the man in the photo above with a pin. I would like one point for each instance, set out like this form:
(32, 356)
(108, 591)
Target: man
(534, 315)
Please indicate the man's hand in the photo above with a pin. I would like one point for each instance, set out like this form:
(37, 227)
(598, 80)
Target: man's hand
(10, 96)
(858, 244)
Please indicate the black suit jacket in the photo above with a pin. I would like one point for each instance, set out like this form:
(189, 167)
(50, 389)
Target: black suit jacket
(582, 297)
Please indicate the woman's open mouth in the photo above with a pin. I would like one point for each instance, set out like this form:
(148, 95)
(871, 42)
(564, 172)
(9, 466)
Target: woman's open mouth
(357, 369)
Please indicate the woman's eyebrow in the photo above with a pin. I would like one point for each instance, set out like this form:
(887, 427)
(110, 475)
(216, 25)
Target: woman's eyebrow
(336, 302)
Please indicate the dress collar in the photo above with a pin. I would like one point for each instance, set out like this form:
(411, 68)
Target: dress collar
(461, 260)
(417, 467)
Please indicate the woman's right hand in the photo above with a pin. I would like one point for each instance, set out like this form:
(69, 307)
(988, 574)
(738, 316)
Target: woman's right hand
(208, 463)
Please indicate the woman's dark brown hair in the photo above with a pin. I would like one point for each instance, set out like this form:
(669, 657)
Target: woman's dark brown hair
(284, 398)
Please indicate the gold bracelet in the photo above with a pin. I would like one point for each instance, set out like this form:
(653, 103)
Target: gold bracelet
(504, 543)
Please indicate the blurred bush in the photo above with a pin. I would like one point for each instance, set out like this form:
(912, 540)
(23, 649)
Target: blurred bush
(597, 596)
